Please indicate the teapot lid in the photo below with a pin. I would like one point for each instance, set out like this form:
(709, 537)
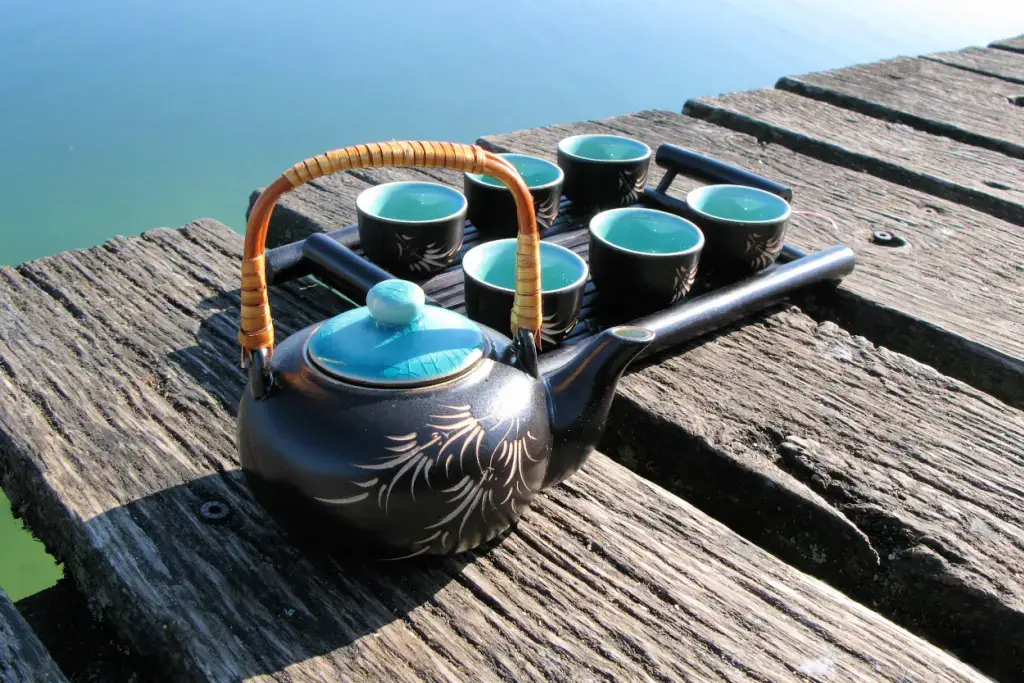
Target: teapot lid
(396, 340)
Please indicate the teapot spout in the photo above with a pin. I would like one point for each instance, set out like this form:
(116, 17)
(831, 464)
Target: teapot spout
(580, 394)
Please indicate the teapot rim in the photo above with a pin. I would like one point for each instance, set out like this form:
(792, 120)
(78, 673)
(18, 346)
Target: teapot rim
(327, 375)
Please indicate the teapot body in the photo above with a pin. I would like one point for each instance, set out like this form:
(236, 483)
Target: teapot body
(396, 472)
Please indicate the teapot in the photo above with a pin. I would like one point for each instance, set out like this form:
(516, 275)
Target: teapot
(404, 428)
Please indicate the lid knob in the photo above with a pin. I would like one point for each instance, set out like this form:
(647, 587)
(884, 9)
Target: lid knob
(395, 302)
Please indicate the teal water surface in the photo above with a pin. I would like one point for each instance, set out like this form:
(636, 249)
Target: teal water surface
(122, 115)
(25, 568)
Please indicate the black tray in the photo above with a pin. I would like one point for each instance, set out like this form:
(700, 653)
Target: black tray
(715, 299)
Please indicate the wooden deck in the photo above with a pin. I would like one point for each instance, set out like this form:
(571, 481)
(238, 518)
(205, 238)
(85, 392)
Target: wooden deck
(832, 490)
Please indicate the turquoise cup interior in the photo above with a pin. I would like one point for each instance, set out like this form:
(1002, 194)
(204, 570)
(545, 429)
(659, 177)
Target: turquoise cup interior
(611, 148)
(537, 173)
(647, 232)
(493, 264)
(738, 204)
(411, 201)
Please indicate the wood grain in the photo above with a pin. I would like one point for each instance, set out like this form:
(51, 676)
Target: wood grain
(936, 98)
(952, 298)
(1012, 44)
(329, 203)
(22, 657)
(307, 209)
(1003, 64)
(118, 437)
(974, 176)
(928, 469)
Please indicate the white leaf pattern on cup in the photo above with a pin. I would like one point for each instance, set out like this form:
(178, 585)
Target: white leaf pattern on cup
(683, 281)
(432, 258)
(548, 331)
(764, 248)
(630, 185)
(546, 212)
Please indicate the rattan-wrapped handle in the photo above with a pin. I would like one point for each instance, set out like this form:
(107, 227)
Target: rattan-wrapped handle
(257, 328)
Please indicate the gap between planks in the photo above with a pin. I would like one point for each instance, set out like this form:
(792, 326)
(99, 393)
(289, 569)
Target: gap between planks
(973, 176)
(22, 656)
(936, 98)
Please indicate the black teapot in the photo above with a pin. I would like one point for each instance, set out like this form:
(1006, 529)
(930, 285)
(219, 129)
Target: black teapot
(409, 429)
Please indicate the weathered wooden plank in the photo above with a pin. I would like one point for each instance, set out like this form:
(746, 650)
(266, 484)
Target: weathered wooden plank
(974, 176)
(329, 203)
(952, 298)
(1011, 44)
(304, 210)
(1003, 64)
(928, 469)
(976, 109)
(119, 371)
(23, 659)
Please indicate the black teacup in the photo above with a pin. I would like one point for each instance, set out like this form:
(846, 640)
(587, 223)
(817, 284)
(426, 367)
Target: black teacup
(491, 207)
(603, 171)
(489, 276)
(644, 258)
(410, 228)
(745, 227)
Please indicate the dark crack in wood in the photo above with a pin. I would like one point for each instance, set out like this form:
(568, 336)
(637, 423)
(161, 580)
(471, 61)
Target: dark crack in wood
(932, 97)
(22, 656)
(1012, 44)
(1003, 64)
(974, 176)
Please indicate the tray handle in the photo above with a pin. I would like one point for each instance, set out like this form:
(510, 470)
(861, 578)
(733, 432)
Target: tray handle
(257, 328)
(675, 159)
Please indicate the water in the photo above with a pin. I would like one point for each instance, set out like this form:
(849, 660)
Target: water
(123, 115)
(25, 568)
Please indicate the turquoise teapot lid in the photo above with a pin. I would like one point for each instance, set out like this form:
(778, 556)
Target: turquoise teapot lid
(396, 339)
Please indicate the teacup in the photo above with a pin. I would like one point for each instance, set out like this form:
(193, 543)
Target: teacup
(643, 257)
(491, 207)
(489, 276)
(745, 227)
(603, 171)
(411, 228)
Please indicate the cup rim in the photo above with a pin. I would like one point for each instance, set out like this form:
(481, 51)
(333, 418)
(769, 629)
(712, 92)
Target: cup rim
(647, 254)
(707, 189)
(476, 177)
(643, 157)
(480, 248)
(369, 192)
